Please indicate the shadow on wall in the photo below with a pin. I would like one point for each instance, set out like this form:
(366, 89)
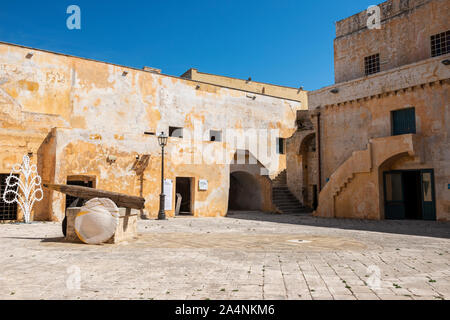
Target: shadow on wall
(435, 229)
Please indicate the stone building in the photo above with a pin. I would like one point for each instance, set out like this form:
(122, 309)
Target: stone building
(297, 94)
(84, 123)
(375, 145)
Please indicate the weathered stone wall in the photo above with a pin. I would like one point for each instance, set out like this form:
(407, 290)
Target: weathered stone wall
(101, 109)
(251, 86)
(404, 37)
(361, 111)
(355, 114)
(302, 166)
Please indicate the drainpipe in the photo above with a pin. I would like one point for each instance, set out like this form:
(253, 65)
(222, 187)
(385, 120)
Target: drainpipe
(318, 151)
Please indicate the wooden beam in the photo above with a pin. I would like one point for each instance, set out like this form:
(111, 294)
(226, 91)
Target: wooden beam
(120, 199)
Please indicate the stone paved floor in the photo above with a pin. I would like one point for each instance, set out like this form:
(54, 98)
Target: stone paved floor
(248, 255)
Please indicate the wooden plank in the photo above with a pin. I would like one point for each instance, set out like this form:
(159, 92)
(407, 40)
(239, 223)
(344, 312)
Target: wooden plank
(131, 215)
(120, 199)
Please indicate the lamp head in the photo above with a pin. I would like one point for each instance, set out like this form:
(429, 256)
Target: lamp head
(162, 139)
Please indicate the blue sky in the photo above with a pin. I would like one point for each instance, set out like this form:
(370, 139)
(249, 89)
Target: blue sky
(286, 42)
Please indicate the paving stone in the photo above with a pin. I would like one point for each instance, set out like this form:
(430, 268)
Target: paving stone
(344, 297)
(195, 258)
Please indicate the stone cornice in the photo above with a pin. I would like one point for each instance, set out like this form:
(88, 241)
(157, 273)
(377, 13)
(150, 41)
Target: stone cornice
(391, 82)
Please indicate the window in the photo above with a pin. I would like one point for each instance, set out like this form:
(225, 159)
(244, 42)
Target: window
(215, 135)
(372, 64)
(176, 132)
(82, 181)
(7, 211)
(403, 121)
(280, 145)
(440, 44)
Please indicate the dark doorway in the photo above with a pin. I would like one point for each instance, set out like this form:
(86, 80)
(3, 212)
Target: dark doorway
(183, 187)
(409, 194)
(73, 201)
(413, 203)
(245, 192)
(315, 197)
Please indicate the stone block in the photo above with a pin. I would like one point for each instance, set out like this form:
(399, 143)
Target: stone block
(126, 229)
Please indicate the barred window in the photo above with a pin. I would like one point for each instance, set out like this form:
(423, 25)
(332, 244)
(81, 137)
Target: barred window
(281, 146)
(372, 64)
(440, 44)
(7, 211)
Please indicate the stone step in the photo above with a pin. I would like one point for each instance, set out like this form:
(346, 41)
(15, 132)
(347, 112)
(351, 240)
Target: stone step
(281, 179)
(292, 208)
(298, 212)
(282, 193)
(284, 200)
(279, 195)
(289, 205)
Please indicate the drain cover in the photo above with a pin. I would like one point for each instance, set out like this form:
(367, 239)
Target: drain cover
(299, 241)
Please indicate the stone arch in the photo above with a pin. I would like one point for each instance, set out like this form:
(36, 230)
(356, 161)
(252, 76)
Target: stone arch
(385, 165)
(306, 142)
(245, 192)
(307, 153)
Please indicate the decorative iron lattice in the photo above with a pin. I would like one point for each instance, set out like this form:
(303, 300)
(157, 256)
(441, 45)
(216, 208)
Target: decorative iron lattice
(23, 186)
(8, 211)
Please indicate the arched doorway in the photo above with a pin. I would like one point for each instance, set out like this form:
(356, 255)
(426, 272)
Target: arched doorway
(406, 192)
(308, 154)
(245, 192)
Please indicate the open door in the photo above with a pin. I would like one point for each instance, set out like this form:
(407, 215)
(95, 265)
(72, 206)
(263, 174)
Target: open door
(410, 194)
(184, 189)
(393, 195)
(428, 198)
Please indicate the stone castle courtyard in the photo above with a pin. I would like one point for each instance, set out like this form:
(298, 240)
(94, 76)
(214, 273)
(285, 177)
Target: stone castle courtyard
(247, 255)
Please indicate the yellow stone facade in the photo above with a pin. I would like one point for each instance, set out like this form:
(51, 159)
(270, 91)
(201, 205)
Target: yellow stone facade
(85, 120)
(73, 114)
(353, 120)
(297, 94)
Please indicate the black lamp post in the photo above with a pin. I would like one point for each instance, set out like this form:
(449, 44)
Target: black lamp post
(162, 140)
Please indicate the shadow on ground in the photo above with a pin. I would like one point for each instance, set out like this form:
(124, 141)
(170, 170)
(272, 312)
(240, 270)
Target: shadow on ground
(57, 240)
(435, 229)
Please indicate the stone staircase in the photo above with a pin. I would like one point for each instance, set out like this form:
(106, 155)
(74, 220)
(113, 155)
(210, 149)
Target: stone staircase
(367, 161)
(283, 199)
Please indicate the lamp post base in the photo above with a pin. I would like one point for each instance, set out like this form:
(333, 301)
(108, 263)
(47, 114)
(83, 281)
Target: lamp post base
(161, 216)
(161, 213)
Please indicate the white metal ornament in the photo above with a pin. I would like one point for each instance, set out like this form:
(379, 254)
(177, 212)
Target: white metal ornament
(25, 191)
